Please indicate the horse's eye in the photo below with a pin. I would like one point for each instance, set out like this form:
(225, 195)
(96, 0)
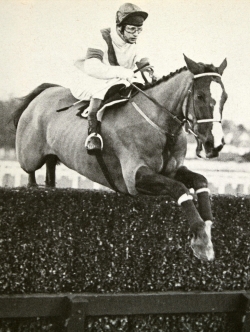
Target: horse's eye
(200, 97)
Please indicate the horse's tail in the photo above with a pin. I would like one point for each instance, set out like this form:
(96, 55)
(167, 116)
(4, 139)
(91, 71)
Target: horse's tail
(26, 100)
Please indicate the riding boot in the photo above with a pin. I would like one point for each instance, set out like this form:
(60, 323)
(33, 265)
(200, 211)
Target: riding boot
(94, 140)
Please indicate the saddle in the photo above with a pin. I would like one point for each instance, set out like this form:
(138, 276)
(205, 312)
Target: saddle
(118, 94)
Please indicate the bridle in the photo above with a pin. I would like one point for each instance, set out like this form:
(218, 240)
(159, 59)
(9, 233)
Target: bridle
(186, 120)
(191, 92)
(192, 123)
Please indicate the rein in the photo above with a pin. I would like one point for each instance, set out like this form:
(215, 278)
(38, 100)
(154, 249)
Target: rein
(153, 124)
(174, 117)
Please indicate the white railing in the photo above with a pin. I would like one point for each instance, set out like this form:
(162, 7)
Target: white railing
(223, 177)
(11, 175)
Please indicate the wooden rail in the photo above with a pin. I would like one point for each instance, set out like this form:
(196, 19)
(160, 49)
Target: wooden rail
(75, 307)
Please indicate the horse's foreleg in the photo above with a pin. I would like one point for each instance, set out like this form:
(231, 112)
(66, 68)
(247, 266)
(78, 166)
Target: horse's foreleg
(51, 171)
(148, 182)
(199, 183)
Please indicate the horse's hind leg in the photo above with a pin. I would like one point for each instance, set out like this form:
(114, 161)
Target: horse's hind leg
(51, 162)
(32, 180)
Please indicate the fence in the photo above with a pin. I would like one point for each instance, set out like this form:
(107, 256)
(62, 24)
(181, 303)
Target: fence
(75, 307)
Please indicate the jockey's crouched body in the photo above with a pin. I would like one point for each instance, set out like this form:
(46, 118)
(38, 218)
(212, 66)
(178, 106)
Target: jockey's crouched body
(110, 60)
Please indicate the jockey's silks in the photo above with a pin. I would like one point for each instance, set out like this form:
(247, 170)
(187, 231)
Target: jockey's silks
(111, 50)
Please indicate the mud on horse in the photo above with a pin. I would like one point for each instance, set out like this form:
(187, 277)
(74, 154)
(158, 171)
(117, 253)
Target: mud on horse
(144, 141)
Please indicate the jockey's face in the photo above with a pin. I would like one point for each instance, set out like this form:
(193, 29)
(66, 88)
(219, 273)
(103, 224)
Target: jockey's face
(130, 33)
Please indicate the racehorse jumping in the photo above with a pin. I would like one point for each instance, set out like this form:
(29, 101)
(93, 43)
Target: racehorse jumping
(144, 141)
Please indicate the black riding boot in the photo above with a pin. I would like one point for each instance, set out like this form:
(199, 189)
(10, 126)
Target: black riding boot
(94, 140)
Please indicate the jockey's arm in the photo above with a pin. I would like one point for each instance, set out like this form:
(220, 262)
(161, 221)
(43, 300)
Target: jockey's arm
(96, 68)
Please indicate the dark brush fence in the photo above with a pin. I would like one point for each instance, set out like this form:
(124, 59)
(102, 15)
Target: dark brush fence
(90, 246)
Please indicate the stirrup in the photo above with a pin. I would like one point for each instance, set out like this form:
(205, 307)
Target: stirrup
(96, 135)
(85, 113)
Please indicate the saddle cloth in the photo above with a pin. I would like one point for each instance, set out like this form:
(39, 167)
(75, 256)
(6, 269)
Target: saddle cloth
(117, 94)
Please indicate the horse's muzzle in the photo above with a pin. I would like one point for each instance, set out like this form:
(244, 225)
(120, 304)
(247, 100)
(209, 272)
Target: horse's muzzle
(212, 152)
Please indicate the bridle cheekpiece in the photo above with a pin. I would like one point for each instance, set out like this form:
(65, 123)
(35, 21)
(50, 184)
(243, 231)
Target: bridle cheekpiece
(202, 75)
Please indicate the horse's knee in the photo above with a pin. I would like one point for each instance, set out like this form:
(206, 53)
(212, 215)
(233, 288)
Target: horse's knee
(200, 182)
(149, 182)
(191, 179)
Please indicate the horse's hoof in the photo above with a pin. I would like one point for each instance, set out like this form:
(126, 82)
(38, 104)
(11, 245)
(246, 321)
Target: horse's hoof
(201, 243)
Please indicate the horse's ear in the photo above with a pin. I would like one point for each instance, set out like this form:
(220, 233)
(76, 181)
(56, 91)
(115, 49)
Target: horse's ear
(222, 67)
(194, 67)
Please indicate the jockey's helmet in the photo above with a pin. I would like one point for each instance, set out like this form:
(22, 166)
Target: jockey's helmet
(130, 14)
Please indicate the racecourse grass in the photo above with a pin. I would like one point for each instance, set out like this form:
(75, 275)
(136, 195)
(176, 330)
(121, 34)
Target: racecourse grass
(64, 240)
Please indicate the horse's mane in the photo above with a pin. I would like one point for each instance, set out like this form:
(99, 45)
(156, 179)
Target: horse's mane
(206, 69)
(163, 79)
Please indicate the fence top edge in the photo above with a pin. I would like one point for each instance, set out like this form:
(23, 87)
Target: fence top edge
(142, 294)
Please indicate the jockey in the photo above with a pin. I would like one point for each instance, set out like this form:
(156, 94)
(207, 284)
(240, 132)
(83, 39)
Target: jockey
(109, 61)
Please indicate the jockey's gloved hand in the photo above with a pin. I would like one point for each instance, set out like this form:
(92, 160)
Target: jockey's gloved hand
(125, 73)
(149, 69)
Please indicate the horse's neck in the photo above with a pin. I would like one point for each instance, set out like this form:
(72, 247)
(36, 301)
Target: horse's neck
(171, 95)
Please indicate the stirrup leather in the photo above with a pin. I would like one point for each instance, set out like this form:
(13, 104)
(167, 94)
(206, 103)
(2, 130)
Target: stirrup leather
(96, 135)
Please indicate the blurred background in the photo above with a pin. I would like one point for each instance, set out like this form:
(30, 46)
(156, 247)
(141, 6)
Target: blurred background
(41, 39)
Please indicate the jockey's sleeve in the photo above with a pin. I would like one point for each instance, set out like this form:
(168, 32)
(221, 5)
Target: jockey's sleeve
(95, 68)
(96, 50)
(94, 53)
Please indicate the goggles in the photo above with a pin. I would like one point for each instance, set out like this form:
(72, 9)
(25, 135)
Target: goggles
(132, 29)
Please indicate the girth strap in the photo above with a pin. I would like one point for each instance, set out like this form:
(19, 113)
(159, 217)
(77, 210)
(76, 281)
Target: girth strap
(104, 168)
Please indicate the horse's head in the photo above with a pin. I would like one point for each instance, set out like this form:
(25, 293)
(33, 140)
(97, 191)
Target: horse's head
(208, 97)
(201, 243)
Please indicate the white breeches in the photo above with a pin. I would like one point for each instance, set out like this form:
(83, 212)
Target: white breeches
(84, 87)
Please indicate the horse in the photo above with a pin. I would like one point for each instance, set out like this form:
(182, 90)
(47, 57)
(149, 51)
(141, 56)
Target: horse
(145, 142)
